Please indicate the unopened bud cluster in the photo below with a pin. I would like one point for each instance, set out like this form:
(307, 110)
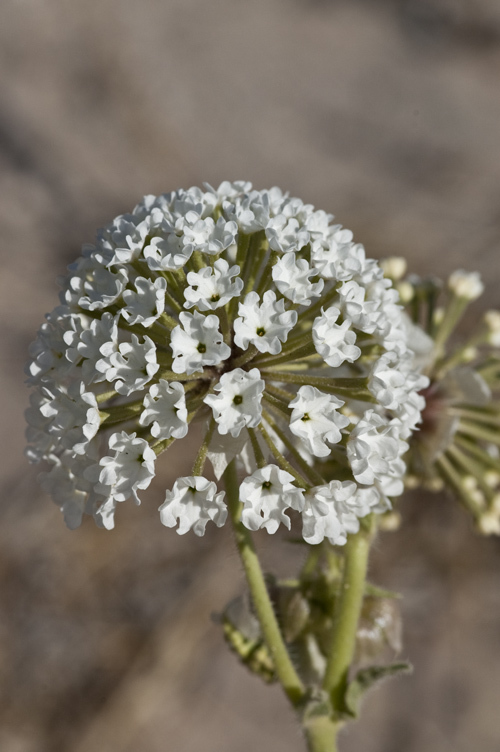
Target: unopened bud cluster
(458, 445)
(247, 310)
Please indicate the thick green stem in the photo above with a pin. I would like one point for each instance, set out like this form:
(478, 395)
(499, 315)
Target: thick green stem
(321, 734)
(346, 616)
(285, 670)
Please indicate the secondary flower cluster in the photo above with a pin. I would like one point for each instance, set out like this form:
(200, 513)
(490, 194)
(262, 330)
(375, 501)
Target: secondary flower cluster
(248, 310)
(458, 446)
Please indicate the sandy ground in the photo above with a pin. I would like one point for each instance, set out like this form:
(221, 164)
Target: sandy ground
(385, 113)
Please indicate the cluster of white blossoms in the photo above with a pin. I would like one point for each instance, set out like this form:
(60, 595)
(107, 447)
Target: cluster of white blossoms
(250, 312)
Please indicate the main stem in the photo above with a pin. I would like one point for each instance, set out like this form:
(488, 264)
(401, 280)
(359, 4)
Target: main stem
(321, 734)
(285, 670)
(346, 616)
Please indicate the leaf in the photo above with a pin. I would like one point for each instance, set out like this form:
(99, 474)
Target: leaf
(379, 627)
(367, 678)
(243, 634)
(295, 617)
(254, 654)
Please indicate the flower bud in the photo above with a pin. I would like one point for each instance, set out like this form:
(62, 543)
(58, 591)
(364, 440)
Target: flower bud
(394, 267)
(466, 285)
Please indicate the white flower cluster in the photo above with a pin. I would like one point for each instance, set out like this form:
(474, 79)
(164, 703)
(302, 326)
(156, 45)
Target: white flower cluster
(250, 311)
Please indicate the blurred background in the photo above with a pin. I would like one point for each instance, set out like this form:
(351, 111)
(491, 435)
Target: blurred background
(384, 112)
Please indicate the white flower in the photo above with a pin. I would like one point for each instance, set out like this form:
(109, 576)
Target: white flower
(370, 499)
(60, 484)
(393, 379)
(230, 190)
(266, 495)
(212, 287)
(41, 444)
(276, 198)
(147, 304)
(192, 502)
(92, 286)
(336, 257)
(362, 313)
(125, 237)
(317, 224)
(165, 404)
(315, 419)
(167, 253)
(74, 416)
(49, 351)
(332, 511)
(99, 341)
(251, 213)
(118, 478)
(373, 309)
(334, 342)
(132, 366)
(291, 277)
(374, 451)
(285, 234)
(181, 202)
(295, 207)
(327, 515)
(238, 403)
(466, 285)
(263, 325)
(396, 385)
(207, 236)
(67, 486)
(197, 343)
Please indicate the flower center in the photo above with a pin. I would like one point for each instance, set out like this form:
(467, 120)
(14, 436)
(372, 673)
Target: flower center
(306, 417)
(202, 348)
(237, 399)
(260, 331)
(267, 484)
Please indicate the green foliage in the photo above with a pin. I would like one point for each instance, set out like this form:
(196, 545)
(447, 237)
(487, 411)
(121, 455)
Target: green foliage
(365, 679)
(253, 653)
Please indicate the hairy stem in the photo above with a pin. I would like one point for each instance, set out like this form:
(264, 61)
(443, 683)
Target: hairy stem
(321, 734)
(285, 670)
(346, 616)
